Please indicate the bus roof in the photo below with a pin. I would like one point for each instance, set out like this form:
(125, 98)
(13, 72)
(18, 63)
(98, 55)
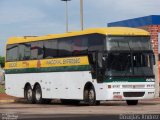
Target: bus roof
(125, 31)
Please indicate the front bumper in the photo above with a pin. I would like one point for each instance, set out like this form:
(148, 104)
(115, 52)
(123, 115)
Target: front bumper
(130, 94)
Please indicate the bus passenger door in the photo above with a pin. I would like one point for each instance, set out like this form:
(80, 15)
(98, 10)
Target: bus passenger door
(100, 68)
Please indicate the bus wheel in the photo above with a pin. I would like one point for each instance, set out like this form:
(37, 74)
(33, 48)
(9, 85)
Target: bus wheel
(132, 102)
(38, 94)
(29, 95)
(90, 96)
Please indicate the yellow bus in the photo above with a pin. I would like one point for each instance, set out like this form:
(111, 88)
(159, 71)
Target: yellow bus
(99, 64)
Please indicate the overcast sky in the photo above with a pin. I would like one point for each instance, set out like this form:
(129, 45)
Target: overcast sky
(41, 17)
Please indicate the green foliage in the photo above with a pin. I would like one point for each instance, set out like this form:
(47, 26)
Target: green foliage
(2, 89)
(2, 61)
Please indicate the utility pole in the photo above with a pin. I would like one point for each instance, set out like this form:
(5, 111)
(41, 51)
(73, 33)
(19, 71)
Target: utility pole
(66, 14)
(81, 14)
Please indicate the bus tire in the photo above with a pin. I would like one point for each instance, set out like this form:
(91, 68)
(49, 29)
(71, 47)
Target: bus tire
(90, 96)
(38, 94)
(132, 102)
(29, 95)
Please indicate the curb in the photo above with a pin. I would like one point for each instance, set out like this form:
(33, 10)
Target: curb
(7, 101)
(21, 100)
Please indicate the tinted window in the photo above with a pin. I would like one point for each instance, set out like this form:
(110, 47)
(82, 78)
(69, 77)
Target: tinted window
(24, 51)
(50, 49)
(140, 43)
(65, 47)
(37, 50)
(128, 43)
(80, 45)
(12, 52)
(96, 42)
(118, 43)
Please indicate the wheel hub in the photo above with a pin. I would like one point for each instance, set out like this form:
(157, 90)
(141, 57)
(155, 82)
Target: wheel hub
(38, 95)
(29, 94)
(91, 95)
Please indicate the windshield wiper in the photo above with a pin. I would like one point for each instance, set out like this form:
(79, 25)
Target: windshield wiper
(127, 66)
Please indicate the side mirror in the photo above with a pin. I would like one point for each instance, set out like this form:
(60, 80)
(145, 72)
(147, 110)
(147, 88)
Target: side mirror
(100, 60)
(99, 67)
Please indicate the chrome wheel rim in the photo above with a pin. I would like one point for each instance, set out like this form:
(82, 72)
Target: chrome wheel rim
(91, 95)
(38, 94)
(29, 94)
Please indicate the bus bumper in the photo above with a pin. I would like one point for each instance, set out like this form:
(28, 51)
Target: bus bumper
(130, 94)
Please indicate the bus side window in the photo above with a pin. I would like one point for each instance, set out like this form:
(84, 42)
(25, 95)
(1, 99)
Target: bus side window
(24, 51)
(64, 47)
(50, 49)
(80, 45)
(37, 50)
(96, 42)
(12, 53)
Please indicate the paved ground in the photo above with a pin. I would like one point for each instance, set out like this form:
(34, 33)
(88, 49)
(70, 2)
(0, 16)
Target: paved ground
(6, 99)
(3, 96)
(107, 111)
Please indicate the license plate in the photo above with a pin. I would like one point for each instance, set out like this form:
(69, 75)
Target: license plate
(119, 97)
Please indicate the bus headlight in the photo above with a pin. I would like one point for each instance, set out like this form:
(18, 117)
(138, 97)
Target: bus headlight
(116, 86)
(113, 86)
(109, 86)
(150, 86)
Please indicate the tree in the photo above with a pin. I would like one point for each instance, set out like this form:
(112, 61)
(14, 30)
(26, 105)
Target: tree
(1, 61)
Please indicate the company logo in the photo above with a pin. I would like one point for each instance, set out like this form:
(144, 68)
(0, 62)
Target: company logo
(150, 80)
(67, 61)
(26, 64)
(38, 64)
(12, 65)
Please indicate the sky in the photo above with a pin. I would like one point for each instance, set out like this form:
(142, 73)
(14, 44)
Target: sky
(42, 17)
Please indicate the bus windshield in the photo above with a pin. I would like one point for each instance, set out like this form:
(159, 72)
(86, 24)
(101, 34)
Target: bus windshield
(127, 64)
(129, 56)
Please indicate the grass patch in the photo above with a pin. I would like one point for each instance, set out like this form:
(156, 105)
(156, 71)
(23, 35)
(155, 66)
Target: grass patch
(2, 89)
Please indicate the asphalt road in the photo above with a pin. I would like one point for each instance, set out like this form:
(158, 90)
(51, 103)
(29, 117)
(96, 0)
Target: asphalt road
(112, 110)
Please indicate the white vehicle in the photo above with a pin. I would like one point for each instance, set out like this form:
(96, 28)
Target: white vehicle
(93, 65)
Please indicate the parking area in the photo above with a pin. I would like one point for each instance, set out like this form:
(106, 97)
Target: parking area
(112, 109)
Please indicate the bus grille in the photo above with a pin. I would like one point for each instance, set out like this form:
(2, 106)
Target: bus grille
(133, 94)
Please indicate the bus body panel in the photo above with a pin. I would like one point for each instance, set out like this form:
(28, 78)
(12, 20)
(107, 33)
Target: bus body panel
(62, 85)
(67, 85)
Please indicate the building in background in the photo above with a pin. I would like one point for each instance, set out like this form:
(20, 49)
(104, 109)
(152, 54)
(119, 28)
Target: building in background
(152, 25)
